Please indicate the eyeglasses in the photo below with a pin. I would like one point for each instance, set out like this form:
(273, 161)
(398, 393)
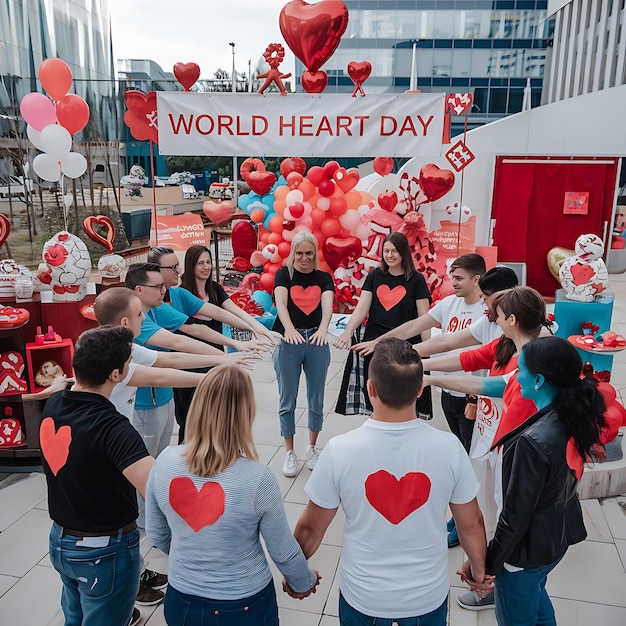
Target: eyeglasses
(203, 263)
(161, 287)
(174, 267)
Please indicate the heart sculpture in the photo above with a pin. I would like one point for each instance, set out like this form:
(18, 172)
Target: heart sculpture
(359, 72)
(100, 220)
(314, 82)
(55, 444)
(556, 257)
(313, 31)
(261, 182)
(390, 297)
(459, 103)
(396, 499)
(187, 74)
(388, 200)
(306, 299)
(340, 252)
(435, 182)
(218, 212)
(141, 115)
(346, 179)
(292, 164)
(197, 508)
(383, 165)
(5, 229)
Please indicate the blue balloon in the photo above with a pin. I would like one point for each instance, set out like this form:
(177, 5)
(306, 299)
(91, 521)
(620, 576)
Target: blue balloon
(243, 202)
(268, 217)
(263, 299)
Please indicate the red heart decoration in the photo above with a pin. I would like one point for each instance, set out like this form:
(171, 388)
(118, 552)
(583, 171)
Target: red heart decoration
(296, 209)
(435, 182)
(346, 179)
(458, 103)
(340, 252)
(314, 83)
(244, 240)
(187, 74)
(396, 499)
(261, 182)
(390, 297)
(388, 200)
(316, 175)
(12, 361)
(100, 220)
(313, 31)
(582, 273)
(359, 71)
(197, 508)
(292, 164)
(10, 317)
(218, 212)
(306, 299)
(55, 444)
(383, 165)
(11, 434)
(141, 116)
(5, 229)
(10, 382)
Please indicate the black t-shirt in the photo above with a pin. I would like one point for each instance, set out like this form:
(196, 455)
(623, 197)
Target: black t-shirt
(221, 297)
(89, 491)
(304, 299)
(393, 301)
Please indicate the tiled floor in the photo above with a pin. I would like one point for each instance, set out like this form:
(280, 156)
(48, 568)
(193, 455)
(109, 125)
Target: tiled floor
(589, 586)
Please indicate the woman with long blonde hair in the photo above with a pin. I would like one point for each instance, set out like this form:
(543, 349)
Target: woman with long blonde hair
(209, 501)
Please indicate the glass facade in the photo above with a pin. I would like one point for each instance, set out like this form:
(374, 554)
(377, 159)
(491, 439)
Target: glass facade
(487, 48)
(77, 31)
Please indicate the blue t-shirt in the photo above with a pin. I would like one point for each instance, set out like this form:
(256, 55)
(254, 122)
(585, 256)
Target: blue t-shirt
(184, 301)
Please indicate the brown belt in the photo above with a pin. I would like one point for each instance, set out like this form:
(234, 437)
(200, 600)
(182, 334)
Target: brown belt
(103, 533)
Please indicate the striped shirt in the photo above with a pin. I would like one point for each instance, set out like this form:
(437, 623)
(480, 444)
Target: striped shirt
(215, 554)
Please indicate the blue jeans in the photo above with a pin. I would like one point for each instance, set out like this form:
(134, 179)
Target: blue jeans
(349, 616)
(258, 610)
(289, 361)
(521, 597)
(99, 584)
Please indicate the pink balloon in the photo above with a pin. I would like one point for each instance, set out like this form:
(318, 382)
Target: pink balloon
(38, 110)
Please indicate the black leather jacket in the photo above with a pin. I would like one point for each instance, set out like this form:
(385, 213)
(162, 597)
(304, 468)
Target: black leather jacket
(541, 516)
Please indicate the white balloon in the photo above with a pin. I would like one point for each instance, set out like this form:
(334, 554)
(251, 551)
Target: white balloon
(56, 140)
(35, 137)
(295, 195)
(47, 167)
(74, 165)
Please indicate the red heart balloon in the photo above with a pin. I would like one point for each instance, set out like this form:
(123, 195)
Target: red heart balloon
(383, 165)
(316, 175)
(346, 179)
(218, 212)
(244, 239)
(187, 74)
(261, 182)
(359, 71)
(5, 228)
(100, 220)
(314, 82)
(292, 164)
(435, 182)
(388, 200)
(72, 113)
(313, 31)
(141, 116)
(339, 252)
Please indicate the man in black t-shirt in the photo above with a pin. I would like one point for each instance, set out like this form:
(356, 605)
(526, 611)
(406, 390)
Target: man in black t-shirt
(94, 460)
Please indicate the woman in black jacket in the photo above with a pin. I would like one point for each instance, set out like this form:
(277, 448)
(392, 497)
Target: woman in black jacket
(542, 462)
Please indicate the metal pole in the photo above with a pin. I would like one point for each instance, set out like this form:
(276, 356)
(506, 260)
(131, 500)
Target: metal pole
(234, 89)
(234, 77)
(413, 81)
(249, 75)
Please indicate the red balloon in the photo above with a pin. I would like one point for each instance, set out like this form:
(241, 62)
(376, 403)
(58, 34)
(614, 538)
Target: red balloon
(388, 200)
(330, 168)
(292, 164)
(72, 113)
(275, 238)
(284, 248)
(338, 206)
(327, 188)
(187, 74)
(339, 252)
(318, 216)
(257, 216)
(330, 227)
(383, 165)
(56, 77)
(274, 267)
(314, 82)
(141, 107)
(613, 419)
(288, 225)
(435, 182)
(359, 72)
(313, 31)
(244, 239)
(296, 209)
(261, 182)
(251, 165)
(276, 224)
(294, 179)
(316, 175)
(267, 282)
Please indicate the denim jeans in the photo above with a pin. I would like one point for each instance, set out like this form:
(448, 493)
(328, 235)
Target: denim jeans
(454, 410)
(349, 616)
(289, 361)
(99, 584)
(521, 597)
(182, 609)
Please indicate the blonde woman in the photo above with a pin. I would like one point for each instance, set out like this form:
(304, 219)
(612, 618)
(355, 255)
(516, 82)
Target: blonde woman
(207, 504)
(304, 301)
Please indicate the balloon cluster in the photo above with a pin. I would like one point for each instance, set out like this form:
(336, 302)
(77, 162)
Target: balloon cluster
(52, 122)
(259, 203)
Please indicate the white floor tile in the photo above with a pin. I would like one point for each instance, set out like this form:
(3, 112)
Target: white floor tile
(575, 613)
(6, 582)
(595, 521)
(293, 617)
(25, 543)
(19, 497)
(614, 510)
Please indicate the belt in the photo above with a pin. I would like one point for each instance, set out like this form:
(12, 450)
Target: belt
(102, 533)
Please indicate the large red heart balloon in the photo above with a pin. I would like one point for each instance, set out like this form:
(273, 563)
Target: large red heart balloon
(314, 82)
(100, 220)
(244, 239)
(141, 116)
(313, 31)
(339, 252)
(187, 74)
(218, 212)
(346, 179)
(435, 182)
(383, 165)
(261, 182)
(388, 200)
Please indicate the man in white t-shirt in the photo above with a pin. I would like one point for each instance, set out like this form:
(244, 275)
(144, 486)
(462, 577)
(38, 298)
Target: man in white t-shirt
(395, 478)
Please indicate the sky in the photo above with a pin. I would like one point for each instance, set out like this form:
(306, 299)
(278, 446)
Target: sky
(197, 31)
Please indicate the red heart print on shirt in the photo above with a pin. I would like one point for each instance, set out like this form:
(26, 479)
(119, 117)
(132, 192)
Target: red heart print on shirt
(55, 444)
(396, 499)
(307, 299)
(197, 508)
(390, 297)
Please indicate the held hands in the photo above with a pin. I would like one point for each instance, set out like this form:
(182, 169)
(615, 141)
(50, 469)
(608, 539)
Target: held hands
(482, 585)
(343, 341)
(300, 596)
(470, 411)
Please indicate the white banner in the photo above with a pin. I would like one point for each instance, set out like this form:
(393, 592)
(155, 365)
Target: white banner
(305, 125)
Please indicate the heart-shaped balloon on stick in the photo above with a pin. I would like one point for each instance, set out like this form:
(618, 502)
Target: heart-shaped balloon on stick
(187, 74)
(435, 182)
(104, 221)
(359, 72)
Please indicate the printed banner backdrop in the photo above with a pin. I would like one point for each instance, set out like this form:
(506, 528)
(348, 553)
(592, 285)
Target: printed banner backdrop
(178, 232)
(309, 125)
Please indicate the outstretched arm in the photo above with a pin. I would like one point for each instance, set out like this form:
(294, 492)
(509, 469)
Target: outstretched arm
(357, 317)
(165, 339)
(492, 386)
(446, 342)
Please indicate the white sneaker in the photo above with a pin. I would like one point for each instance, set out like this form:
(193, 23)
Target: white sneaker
(290, 466)
(311, 457)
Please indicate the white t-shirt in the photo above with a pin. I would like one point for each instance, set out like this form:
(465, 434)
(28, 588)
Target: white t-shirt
(485, 331)
(123, 394)
(453, 315)
(394, 482)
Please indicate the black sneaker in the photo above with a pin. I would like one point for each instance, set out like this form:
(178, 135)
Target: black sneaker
(153, 579)
(148, 596)
(136, 617)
